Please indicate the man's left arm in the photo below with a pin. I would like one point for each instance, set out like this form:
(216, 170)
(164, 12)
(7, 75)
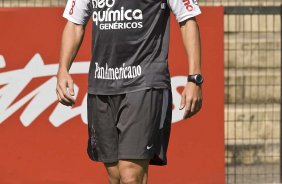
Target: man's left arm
(191, 98)
(185, 12)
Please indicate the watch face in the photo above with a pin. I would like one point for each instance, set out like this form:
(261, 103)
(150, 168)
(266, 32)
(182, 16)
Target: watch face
(198, 79)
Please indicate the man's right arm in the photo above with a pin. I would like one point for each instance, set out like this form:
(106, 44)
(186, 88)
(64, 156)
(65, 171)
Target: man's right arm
(77, 13)
(71, 40)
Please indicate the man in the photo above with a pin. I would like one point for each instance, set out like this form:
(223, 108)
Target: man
(129, 96)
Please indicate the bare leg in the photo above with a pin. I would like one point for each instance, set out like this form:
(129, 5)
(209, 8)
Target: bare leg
(133, 171)
(145, 177)
(113, 173)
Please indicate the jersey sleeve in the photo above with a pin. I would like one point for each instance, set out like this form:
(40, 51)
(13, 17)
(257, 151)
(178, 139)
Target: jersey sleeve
(184, 9)
(78, 11)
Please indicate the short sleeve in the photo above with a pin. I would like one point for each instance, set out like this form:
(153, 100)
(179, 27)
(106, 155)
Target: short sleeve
(184, 9)
(78, 11)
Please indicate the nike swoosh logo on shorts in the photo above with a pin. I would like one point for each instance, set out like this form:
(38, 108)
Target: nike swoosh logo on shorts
(149, 147)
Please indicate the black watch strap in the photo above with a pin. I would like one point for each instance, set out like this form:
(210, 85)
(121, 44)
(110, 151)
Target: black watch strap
(196, 78)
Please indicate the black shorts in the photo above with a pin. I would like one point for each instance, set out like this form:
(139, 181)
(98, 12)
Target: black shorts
(134, 125)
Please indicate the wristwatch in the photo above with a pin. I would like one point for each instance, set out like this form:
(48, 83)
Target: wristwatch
(196, 78)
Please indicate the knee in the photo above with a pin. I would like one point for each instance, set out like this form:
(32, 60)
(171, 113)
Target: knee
(114, 179)
(127, 176)
(132, 171)
(113, 173)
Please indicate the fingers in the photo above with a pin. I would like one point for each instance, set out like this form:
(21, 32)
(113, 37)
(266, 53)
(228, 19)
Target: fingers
(188, 106)
(193, 105)
(64, 96)
(70, 86)
(62, 101)
(191, 99)
(199, 105)
(182, 104)
(59, 98)
(65, 92)
(196, 105)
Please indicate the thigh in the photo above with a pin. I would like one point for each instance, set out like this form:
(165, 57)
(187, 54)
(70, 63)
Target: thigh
(140, 123)
(103, 135)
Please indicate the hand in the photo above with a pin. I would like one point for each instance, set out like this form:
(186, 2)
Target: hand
(65, 88)
(191, 99)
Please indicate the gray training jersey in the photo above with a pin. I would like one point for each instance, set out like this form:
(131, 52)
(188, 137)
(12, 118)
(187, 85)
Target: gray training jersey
(130, 40)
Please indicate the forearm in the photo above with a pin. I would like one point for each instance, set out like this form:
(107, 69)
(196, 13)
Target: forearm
(192, 44)
(71, 40)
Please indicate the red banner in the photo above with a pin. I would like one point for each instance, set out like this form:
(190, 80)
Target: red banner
(45, 142)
